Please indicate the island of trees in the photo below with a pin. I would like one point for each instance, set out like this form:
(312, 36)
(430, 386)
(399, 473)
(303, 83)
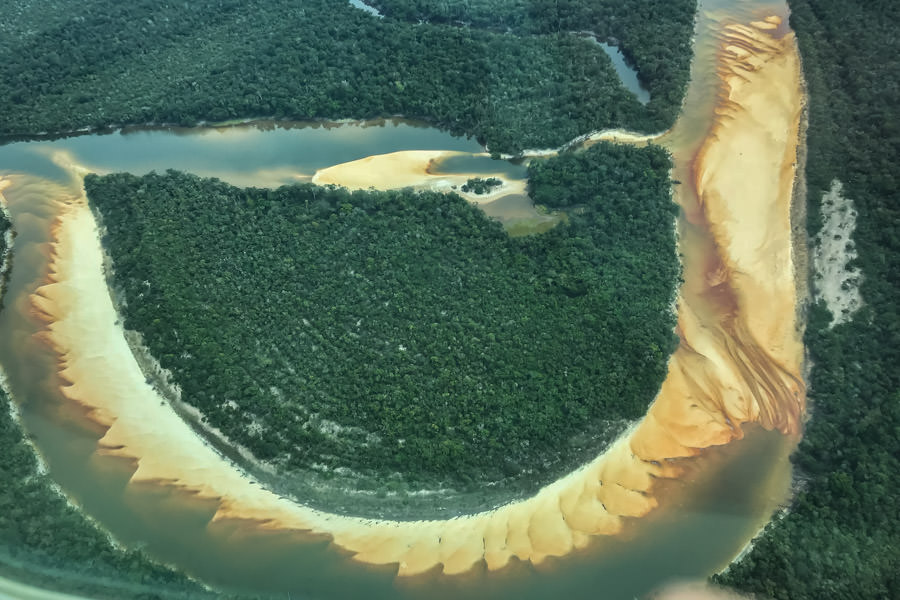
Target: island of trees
(67, 65)
(479, 185)
(402, 332)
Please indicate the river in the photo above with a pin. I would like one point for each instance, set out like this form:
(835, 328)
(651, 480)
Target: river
(683, 493)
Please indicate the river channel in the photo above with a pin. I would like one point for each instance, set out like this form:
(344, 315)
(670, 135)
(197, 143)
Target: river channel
(712, 452)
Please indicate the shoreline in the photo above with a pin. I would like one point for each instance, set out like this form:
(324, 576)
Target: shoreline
(612, 134)
(161, 380)
(413, 169)
(9, 237)
(367, 538)
(259, 122)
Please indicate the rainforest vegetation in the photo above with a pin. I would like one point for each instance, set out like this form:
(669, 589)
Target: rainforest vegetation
(68, 65)
(841, 538)
(404, 332)
(479, 185)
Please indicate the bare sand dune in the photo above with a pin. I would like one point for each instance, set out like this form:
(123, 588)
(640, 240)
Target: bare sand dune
(739, 360)
(411, 168)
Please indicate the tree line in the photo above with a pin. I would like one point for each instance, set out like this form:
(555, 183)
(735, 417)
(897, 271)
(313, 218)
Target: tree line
(653, 35)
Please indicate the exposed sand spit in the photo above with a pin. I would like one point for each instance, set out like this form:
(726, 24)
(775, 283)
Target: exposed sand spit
(410, 168)
(739, 360)
(383, 171)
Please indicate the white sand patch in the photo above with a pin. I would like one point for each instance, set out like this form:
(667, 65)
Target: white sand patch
(835, 281)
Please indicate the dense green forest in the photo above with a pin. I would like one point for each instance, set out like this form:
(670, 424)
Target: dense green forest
(480, 185)
(404, 332)
(68, 65)
(45, 540)
(650, 33)
(841, 538)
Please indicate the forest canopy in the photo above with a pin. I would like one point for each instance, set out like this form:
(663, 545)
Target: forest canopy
(66, 66)
(387, 332)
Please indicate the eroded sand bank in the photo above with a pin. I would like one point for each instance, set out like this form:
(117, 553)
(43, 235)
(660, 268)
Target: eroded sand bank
(411, 169)
(739, 359)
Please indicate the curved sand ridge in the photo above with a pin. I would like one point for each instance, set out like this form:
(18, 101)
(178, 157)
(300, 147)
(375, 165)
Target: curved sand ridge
(411, 168)
(739, 359)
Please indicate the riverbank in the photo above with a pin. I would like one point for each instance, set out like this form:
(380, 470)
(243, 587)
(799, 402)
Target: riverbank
(420, 170)
(112, 388)
(7, 245)
(800, 260)
(415, 169)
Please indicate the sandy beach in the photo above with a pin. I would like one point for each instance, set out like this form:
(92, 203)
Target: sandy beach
(411, 169)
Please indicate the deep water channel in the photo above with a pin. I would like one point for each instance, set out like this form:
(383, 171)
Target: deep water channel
(709, 514)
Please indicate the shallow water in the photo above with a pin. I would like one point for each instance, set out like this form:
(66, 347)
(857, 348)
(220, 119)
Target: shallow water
(271, 153)
(720, 500)
(627, 74)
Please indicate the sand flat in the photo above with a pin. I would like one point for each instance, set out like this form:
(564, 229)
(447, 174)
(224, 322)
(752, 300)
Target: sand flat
(411, 169)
